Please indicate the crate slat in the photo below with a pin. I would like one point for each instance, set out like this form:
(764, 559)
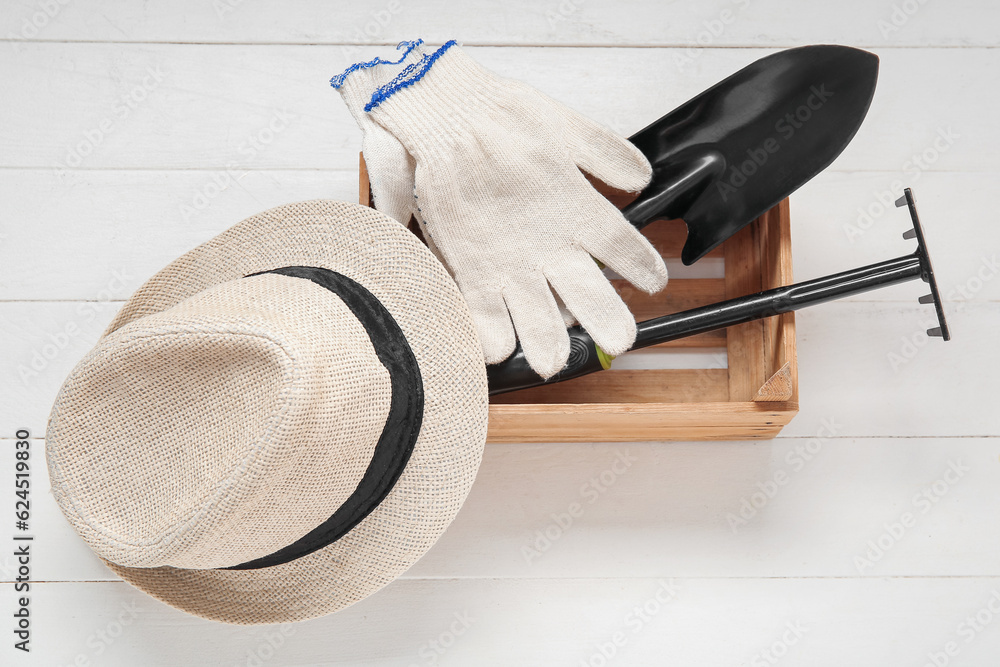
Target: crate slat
(774, 246)
(744, 342)
(668, 237)
(664, 385)
(681, 294)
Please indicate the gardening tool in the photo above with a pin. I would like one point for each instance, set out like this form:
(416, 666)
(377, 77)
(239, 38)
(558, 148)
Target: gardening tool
(724, 157)
(585, 358)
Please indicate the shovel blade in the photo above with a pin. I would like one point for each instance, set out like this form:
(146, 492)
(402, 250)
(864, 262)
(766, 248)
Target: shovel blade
(737, 149)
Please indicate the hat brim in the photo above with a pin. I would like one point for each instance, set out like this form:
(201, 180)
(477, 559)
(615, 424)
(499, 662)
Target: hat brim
(414, 287)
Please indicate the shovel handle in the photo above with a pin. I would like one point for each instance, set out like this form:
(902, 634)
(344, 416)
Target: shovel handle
(514, 373)
(673, 187)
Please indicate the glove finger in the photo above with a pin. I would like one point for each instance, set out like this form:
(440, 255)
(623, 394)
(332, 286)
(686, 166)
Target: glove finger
(601, 152)
(569, 319)
(390, 173)
(540, 327)
(609, 237)
(496, 332)
(590, 296)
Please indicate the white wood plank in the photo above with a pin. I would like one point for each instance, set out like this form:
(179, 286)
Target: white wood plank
(41, 344)
(55, 547)
(266, 107)
(791, 507)
(843, 220)
(605, 22)
(135, 222)
(872, 366)
(96, 223)
(709, 622)
(928, 507)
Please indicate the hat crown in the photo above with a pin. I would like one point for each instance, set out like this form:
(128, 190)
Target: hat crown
(195, 430)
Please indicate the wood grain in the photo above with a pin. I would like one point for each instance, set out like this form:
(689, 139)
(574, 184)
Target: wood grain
(668, 513)
(681, 294)
(778, 387)
(780, 362)
(628, 386)
(745, 342)
(207, 118)
(668, 237)
(631, 422)
(537, 621)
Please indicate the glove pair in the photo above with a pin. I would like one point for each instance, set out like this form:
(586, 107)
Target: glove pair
(490, 169)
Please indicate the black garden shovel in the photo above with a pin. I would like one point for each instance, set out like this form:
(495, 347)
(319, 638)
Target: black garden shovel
(728, 155)
(586, 357)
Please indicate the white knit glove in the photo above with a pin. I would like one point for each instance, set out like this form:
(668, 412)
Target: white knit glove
(502, 201)
(390, 167)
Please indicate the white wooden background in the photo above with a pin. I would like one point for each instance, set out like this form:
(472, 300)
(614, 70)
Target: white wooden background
(125, 140)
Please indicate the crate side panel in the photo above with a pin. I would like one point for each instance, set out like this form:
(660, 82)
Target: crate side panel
(629, 386)
(630, 423)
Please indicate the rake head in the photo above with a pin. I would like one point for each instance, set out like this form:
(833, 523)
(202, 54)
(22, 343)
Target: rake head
(927, 271)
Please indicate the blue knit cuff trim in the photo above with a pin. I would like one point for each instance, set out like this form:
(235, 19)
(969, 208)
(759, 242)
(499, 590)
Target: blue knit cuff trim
(409, 76)
(338, 80)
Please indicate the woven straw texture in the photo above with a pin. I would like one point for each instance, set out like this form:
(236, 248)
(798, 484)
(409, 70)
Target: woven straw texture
(221, 418)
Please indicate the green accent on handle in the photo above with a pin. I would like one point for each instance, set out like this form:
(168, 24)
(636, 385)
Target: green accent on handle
(604, 358)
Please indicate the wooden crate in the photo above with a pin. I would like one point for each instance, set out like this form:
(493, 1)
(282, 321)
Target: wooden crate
(752, 398)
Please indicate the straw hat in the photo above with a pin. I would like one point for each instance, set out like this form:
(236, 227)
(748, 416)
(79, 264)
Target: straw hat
(280, 422)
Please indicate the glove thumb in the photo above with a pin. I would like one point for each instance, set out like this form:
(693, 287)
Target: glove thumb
(390, 173)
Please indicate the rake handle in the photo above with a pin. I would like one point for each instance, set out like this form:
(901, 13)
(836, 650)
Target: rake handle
(776, 301)
(586, 358)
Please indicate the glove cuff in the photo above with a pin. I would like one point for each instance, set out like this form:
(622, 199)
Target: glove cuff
(357, 83)
(366, 85)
